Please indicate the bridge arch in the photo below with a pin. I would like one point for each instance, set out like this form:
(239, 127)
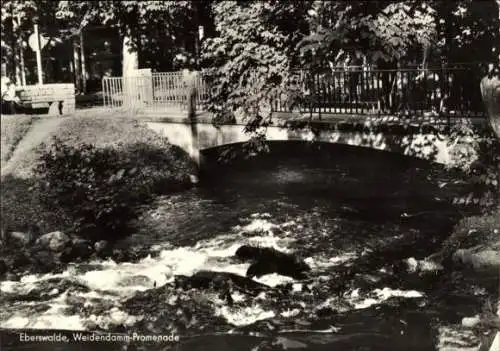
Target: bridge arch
(426, 145)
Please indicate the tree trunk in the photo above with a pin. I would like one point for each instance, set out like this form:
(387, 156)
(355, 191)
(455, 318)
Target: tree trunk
(23, 68)
(84, 70)
(77, 67)
(130, 65)
(17, 56)
(130, 57)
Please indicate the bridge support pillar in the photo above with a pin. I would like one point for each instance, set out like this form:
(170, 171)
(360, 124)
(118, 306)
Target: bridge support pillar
(194, 151)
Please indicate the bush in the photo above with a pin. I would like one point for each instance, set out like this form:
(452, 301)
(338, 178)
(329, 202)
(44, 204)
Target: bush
(22, 211)
(100, 189)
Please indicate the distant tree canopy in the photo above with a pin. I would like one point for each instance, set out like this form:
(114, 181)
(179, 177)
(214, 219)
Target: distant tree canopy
(252, 48)
(155, 30)
(17, 21)
(414, 31)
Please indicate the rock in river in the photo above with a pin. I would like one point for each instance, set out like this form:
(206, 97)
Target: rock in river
(54, 241)
(81, 249)
(102, 248)
(267, 260)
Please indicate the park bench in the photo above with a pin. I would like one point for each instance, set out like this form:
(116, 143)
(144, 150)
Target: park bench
(59, 98)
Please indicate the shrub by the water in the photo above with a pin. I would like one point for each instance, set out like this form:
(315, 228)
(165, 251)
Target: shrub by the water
(113, 144)
(100, 189)
(22, 210)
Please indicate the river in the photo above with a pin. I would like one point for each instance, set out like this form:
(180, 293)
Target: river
(331, 205)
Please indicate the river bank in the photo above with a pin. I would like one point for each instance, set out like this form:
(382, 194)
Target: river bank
(41, 238)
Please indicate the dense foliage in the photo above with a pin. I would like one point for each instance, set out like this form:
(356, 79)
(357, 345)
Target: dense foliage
(377, 30)
(252, 57)
(412, 31)
(260, 46)
(22, 210)
(100, 189)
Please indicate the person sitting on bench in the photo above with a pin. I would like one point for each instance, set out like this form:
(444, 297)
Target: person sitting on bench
(10, 99)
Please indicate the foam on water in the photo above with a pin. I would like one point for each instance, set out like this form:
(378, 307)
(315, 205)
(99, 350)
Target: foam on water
(243, 316)
(260, 215)
(330, 330)
(290, 313)
(238, 297)
(8, 286)
(321, 261)
(378, 296)
(28, 282)
(258, 225)
(274, 279)
(115, 316)
(108, 280)
(53, 318)
(342, 258)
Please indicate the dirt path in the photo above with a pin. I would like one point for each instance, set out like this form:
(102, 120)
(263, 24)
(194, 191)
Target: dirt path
(40, 131)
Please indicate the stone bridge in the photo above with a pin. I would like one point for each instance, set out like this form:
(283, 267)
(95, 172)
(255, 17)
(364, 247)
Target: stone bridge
(426, 139)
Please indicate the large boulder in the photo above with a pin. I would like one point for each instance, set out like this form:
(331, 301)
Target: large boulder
(54, 241)
(490, 91)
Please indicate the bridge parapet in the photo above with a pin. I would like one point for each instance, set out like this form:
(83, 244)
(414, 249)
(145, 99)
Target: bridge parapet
(433, 142)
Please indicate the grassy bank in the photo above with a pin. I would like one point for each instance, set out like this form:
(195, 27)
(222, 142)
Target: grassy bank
(21, 208)
(100, 131)
(13, 129)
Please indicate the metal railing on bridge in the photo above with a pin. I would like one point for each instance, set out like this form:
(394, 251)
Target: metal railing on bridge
(158, 90)
(355, 90)
(358, 90)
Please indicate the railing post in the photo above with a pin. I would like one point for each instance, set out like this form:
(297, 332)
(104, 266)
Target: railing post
(311, 93)
(320, 94)
(103, 91)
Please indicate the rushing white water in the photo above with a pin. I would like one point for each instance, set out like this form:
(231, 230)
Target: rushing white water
(109, 284)
(378, 296)
(112, 282)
